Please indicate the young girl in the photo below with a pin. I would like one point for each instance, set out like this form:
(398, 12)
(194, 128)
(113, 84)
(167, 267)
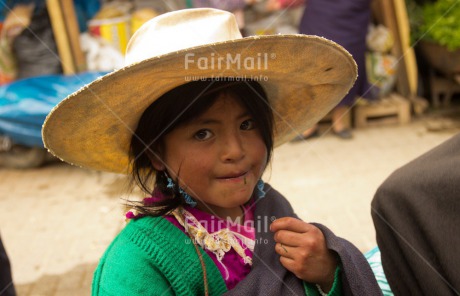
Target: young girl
(210, 225)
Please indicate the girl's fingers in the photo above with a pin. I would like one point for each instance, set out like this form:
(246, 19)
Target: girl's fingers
(288, 263)
(291, 224)
(289, 238)
(284, 251)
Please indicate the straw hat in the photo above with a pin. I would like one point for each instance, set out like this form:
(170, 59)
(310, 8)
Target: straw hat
(304, 77)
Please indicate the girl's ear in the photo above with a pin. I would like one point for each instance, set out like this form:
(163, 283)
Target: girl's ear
(158, 164)
(155, 158)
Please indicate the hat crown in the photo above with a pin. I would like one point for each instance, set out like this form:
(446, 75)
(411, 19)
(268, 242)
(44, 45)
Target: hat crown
(179, 30)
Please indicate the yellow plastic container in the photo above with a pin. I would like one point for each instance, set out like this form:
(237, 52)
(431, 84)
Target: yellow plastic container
(140, 16)
(115, 31)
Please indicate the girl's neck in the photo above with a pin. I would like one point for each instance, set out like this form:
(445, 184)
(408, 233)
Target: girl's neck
(235, 214)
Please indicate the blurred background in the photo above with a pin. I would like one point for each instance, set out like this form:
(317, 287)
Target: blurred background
(56, 219)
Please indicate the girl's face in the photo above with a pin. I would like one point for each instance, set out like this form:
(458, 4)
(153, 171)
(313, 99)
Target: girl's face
(218, 157)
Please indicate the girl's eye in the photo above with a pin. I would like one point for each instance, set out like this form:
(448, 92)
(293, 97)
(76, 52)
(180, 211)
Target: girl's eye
(203, 135)
(247, 125)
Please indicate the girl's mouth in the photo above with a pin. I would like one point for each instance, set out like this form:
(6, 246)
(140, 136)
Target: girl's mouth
(235, 177)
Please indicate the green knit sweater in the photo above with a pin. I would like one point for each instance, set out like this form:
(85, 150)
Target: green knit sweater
(142, 260)
(151, 256)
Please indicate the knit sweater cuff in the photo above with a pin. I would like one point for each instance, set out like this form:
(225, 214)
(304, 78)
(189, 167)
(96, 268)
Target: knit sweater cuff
(336, 290)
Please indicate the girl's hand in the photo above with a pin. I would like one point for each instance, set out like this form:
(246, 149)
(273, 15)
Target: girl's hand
(303, 251)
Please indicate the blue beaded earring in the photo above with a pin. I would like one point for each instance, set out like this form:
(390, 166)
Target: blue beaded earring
(260, 189)
(188, 199)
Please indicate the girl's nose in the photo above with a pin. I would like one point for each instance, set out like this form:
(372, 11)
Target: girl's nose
(232, 148)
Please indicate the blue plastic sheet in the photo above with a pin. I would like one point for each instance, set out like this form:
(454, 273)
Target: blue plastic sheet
(24, 104)
(84, 9)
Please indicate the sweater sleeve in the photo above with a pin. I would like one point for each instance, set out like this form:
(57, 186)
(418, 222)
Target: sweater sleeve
(125, 270)
(336, 290)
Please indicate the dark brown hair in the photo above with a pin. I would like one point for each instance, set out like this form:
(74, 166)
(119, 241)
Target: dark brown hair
(180, 106)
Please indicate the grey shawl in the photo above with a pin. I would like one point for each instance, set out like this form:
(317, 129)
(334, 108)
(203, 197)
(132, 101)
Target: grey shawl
(269, 277)
(416, 214)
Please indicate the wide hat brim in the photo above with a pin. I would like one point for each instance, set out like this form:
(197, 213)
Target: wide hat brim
(304, 77)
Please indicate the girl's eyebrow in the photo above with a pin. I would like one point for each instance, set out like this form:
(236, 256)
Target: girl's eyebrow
(210, 120)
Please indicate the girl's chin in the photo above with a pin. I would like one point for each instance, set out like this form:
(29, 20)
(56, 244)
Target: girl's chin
(236, 203)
